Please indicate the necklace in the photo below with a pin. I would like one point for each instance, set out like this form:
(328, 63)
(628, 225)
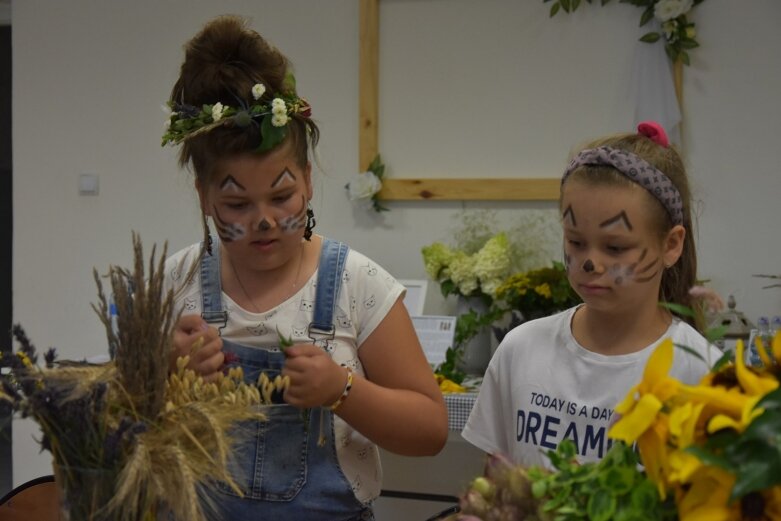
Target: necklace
(246, 293)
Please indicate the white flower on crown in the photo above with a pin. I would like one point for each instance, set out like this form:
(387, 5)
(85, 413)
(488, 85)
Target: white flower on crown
(279, 120)
(363, 186)
(665, 10)
(217, 110)
(278, 106)
(258, 90)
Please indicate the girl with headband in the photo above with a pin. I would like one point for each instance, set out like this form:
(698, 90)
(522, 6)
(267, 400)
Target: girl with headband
(321, 329)
(628, 244)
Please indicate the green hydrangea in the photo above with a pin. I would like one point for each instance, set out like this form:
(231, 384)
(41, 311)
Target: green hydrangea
(436, 258)
(492, 263)
(462, 273)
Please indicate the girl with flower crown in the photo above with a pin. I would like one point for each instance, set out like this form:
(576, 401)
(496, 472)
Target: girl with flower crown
(628, 244)
(320, 328)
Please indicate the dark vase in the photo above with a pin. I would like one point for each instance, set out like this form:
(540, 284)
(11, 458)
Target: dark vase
(476, 352)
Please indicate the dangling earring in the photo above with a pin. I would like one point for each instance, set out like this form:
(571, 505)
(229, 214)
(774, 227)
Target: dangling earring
(207, 238)
(310, 222)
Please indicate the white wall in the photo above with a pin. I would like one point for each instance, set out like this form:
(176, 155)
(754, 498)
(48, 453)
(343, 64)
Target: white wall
(468, 89)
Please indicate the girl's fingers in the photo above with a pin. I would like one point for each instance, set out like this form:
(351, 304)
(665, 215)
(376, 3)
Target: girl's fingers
(212, 365)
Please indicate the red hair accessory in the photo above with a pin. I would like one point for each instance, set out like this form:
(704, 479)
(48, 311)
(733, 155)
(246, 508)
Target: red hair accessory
(653, 131)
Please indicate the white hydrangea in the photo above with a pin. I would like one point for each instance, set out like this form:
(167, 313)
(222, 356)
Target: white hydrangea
(217, 110)
(665, 10)
(258, 90)
(363, 186)
(279, 120)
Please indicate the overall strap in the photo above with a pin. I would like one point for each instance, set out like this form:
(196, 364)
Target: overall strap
(211, 289)
(329, 281)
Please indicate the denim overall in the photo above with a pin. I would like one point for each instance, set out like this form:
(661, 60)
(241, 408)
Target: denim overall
(281, 469)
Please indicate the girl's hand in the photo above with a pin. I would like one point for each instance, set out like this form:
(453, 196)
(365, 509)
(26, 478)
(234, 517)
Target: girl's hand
(315, 379)
(193, 337)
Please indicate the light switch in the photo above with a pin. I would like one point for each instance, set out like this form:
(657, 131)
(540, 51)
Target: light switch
(88, 184)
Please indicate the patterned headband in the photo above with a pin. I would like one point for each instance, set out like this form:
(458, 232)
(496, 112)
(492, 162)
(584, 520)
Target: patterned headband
(636, 169)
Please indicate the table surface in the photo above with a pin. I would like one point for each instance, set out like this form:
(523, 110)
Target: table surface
(459, 405)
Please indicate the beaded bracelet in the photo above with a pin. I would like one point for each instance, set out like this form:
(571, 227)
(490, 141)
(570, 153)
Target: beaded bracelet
(347, 387)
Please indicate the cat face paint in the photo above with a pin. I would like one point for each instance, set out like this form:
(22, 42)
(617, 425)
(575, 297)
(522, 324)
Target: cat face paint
(229, 184)
(228, 231)
(633, 272)
(286, 177)
(297, 221)
(641, 270)
(636, 271)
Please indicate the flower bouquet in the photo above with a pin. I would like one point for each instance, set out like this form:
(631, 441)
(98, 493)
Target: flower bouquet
(128, 441)
(711, 452)
(534, 294)
(473, 277)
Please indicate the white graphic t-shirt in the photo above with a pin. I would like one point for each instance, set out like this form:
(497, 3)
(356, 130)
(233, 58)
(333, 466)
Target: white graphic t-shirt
(542, 387)
(366, 295)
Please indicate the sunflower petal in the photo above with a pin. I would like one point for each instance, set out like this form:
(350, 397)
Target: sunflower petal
(637, 421)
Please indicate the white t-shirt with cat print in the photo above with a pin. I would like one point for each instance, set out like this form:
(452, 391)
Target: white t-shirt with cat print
(367, 294)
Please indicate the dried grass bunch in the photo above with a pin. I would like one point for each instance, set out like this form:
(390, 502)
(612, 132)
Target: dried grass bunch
(129, 441)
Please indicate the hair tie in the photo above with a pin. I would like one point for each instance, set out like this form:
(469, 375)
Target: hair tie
(653, 131)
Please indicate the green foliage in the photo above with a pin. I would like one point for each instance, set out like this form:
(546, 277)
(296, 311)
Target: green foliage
(377, 167)
(677, 33)
(611, 489)
(284, 342)
(449, 368)
(472, 322)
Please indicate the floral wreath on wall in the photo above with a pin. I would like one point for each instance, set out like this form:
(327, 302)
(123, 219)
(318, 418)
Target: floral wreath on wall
(678, 32)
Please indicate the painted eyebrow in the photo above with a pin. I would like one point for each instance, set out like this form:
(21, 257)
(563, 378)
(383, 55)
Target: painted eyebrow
(620, 217)
(571, 213)
(231, 180)
(286, 174)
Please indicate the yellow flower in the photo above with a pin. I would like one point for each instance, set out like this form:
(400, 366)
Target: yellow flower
(642, 419)
(683, 423)
(708, 497)
(752, 383)
(644, 401)
(775, 348)
(747, 415)
(544, 290)
(652, 445)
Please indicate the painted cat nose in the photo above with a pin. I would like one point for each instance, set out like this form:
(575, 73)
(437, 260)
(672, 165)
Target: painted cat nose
(588, 266)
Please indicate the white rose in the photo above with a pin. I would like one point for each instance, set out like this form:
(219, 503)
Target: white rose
(665, 10)
(258, 90)
(363, 186)
(217, 111)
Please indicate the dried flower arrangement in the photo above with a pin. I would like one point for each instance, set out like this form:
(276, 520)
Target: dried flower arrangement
(129, 441)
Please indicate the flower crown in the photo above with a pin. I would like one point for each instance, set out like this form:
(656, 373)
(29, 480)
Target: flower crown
(187, 121)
